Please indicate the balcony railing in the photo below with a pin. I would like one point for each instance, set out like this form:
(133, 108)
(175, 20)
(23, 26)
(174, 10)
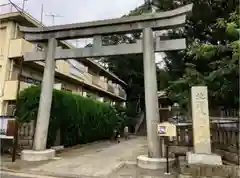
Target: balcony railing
(18, 47)
(9, 8)
(110, 88)
(122, 93)
(13, 7)
(10, 89)
(96, 81)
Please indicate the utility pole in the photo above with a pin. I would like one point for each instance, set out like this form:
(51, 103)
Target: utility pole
(41, 15)
(53, 17)
(23, 4)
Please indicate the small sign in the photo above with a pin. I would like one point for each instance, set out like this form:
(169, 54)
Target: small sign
(162, 130)
(7, 128)
(167, 129)
(3, 126)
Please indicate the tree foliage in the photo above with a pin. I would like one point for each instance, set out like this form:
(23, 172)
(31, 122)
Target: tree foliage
(211, 57)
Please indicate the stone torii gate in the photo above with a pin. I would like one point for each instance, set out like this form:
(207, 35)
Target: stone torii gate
(146, 24)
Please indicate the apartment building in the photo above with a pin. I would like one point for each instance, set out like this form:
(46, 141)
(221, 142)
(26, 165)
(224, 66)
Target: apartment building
(85, 78)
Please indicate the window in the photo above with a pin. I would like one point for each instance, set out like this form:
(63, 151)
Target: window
(2, 41)
(64, 88)
(77, 65)
(38, 47)
(11, 107)
(92, 96)
(30, 80)
(1, 51)
(75, 72)
(13, 75)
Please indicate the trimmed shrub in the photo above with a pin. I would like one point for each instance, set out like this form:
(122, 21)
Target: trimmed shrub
(79, 119)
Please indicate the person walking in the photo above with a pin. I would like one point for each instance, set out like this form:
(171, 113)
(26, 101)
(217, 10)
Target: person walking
(116, 135)
(126, 135)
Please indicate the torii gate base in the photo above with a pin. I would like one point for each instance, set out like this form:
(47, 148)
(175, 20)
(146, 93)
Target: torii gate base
(143, 161)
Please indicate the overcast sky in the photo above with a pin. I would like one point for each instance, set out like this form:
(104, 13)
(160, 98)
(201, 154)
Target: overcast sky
(78, 10)
(72, 11)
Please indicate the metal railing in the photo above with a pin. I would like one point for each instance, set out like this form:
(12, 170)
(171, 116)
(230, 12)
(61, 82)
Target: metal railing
(13, 7)
(9, 8)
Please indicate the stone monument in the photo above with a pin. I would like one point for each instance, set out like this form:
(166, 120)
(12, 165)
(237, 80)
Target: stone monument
(201, 129)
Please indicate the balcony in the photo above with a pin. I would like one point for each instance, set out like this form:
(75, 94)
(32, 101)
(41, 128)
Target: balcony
(88, 78)
(97, 81)
(122, 93)
(10, 89)
(110, 88)
(18, 47)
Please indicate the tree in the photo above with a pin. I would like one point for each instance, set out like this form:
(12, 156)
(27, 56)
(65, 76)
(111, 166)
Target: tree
(130, 67)
(212, 60)
(202, 63)
(220, 60)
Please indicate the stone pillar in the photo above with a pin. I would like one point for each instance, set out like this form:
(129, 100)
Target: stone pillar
(201, 129)
(151, 99)
(45, 102)
(200, 118)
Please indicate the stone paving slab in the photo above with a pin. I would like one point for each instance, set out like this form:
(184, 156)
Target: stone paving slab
(97, 160)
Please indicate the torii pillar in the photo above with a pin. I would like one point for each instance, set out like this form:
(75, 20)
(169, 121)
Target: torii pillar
(155, 158)
(40, 139)
(151, 99)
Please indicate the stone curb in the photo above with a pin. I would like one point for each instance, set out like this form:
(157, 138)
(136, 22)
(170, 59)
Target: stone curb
(45, 173)
(60, 175)
(9, 170)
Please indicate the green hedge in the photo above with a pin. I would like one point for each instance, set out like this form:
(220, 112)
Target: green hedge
(79, 119)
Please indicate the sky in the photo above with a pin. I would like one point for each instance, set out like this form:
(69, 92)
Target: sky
(73, 11)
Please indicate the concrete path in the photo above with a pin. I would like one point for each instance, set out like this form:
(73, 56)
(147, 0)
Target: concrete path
(94, 160)
(132, 171)
(5, 174)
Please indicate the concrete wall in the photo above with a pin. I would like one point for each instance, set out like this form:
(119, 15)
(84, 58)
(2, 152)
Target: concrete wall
(7, 32)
